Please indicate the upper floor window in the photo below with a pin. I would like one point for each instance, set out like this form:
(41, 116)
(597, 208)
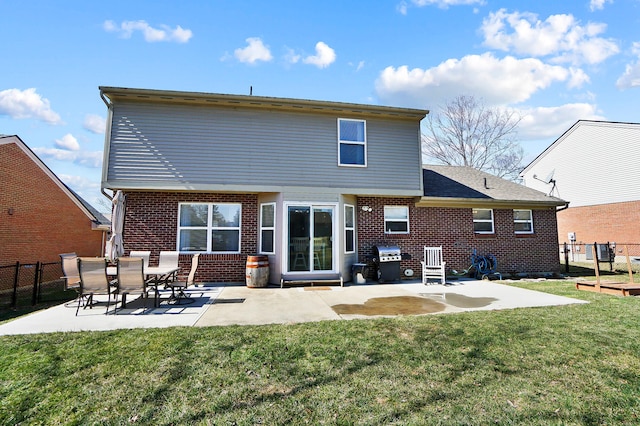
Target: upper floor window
(209, 227)
(483, 221)
(396, 219)
(352, 142)
(523, 221)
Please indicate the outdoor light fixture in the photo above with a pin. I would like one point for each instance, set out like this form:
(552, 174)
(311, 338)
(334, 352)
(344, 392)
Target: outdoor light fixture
(366, 209)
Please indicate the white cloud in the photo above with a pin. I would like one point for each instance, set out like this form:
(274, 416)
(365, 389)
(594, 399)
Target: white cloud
(164, 33)
(598, 4)
(91, 159)
(559, 36)
(498, 81)
(94, 123)
(68, 142)
(548, 122)
(324, 56)
(27, 104)
(291, 56)
(631, 76)
(255, 51)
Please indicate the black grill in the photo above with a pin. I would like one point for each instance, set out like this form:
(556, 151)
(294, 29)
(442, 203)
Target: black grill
(387, 260)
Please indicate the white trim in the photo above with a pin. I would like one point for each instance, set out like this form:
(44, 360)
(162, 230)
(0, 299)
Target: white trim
(523, 221)
(336, 240)
(267, 228)
(389, 232)
(493, 227)
(348, 142)
(209, 228)
(351, 228)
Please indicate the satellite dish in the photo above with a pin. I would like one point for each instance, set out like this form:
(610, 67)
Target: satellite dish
(548, 179)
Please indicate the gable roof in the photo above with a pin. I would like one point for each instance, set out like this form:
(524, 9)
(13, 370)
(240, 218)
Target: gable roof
(99, 220)
(461, 186)
(260, 102)
(568, 132)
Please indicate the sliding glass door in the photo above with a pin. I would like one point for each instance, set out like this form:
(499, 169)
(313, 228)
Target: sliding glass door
(310, 238)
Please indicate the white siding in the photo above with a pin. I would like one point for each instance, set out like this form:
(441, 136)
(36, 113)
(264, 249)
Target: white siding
(593, 163)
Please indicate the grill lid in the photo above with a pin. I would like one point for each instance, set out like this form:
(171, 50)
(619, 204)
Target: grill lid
(387, 253)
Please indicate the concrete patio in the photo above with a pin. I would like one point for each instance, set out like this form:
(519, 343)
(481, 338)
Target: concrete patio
(227, 304)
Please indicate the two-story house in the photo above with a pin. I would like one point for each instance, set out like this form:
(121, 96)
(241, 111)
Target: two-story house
(593, 165)
(314, 185)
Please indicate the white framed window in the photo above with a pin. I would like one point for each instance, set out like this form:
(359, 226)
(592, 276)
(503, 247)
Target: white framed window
(352, 142)
(523, 221)
(349, 229)
(267, 228)
(483, 221)
(396, 219)
(209, 227)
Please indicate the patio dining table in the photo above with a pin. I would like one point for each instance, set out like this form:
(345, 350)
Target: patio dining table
(157, 274)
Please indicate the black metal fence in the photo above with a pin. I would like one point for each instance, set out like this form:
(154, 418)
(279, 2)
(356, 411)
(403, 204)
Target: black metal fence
(611, 256)
(30, 284)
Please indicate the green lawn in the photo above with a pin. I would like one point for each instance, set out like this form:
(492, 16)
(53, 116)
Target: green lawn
(576, 364)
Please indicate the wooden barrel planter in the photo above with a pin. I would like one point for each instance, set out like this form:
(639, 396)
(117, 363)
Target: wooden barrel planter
(257, 271)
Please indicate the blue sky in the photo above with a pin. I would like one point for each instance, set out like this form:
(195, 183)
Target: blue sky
(555, 62)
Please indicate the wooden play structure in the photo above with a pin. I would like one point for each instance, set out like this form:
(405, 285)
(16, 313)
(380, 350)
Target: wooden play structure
(610, 287)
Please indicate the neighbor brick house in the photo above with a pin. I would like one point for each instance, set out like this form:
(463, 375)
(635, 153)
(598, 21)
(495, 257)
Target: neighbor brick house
(594, 166)
(313, 185)
(40, 216)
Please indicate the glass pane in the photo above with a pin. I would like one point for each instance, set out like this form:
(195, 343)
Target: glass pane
(193, 214)
(322, 233)
(522, 226)
(348, 216)
(396, 226)
(268, 219)
(481, 214)
(193, 240)
(267, 241)
(351, 154)
(352, 130)
(225, 240)
(396, 213)
(226, 215)
(483, 227)
(349, 246)
(299, 233)
(522, 214)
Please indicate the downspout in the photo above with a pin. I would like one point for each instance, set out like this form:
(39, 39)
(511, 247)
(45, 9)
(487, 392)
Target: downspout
(566, 206)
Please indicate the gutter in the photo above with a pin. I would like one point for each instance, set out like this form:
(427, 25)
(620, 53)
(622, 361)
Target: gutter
(559, 209)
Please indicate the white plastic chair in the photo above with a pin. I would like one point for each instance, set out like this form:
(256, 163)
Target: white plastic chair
(433, 266)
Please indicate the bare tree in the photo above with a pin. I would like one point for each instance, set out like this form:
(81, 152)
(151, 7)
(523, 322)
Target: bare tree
(467, 133)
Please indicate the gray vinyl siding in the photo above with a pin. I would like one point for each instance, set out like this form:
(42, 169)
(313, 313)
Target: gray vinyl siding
(168, 146)
(592, 163)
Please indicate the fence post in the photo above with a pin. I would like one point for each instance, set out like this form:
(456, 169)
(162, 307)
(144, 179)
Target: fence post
(14, 296)
(36, 282)
(566, 258)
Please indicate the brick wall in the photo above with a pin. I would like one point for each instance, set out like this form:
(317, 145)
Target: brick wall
(453, 229)
(607, 222)
(44, 221)
(151, 223)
